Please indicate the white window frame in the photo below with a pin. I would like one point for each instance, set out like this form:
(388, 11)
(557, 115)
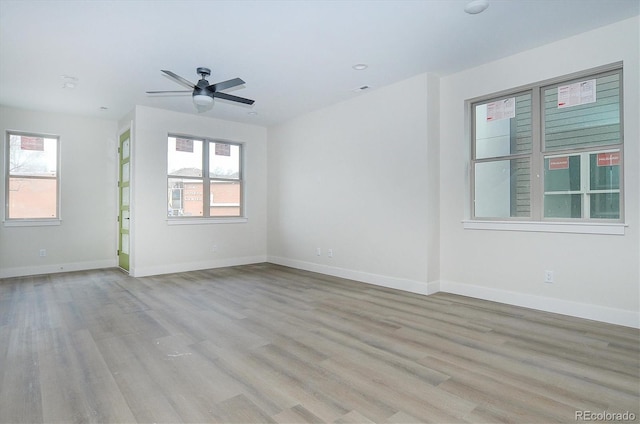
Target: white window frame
(207, 180)
(537, 222)
(9, 221)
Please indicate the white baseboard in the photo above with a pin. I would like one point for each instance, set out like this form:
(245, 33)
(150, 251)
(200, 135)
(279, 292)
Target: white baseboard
(364, 277)
(56, 268)
(576, 309)
(541, 303)
(194, 266)
(547, 304)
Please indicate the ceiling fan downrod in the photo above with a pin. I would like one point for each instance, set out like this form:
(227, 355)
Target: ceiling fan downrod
(204, 72)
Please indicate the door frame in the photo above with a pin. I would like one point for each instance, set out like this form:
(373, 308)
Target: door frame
(122, 136)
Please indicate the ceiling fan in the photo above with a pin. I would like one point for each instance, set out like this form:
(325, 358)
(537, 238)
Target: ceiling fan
(203, 92)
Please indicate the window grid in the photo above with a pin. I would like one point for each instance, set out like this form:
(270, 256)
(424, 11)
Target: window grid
(600, 131)
(32, 191)
(218, 193)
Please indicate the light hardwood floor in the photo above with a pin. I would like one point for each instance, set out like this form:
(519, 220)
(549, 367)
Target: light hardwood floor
(265, 343)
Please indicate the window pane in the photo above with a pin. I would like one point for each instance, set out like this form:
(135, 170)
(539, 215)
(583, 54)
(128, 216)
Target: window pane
(604, 168)
(125, 244)
(33, 172)
(125, 173)
(582, 115)
(503, 127)
(563, 205)
(604, 171)
(184, 197)
(36, 156)
(185, 157)
(32, 197)
(502, 189)
(125, 149)
(125, 219)
(126, 196)
(562, 187)
(224, 161)
(605, 205)
(562, 173)
(225, 198)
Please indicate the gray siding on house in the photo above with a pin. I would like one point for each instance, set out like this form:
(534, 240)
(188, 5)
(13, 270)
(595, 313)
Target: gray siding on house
(591, 124)
(521, 142)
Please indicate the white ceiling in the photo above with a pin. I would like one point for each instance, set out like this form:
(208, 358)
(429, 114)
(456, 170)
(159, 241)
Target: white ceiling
(295, 56)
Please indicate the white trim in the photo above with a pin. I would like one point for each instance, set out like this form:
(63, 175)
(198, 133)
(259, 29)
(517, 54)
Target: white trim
(57, 268)
(129, 127)
(541, 303)
(548, 304)
(196, 221)
(548, 226)
(404, 284)
(194, 266)
(31, 222)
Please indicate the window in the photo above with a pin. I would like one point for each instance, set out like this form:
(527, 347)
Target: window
(204, 178)
(551, 152)
(32, 177)
(503, 147)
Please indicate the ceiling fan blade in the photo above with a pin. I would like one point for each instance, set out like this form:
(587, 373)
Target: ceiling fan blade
(226, 96)
(170, 92)
(179, 79)
(219, 86)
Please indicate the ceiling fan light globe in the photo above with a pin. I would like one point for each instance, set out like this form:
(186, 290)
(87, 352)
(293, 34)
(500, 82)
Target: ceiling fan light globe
(202, 100)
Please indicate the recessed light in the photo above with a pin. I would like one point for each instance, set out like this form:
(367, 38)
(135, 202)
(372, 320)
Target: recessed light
(476, 6)
(252, 113)
(360, 66)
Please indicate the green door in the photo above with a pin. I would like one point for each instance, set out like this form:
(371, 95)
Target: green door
(124, 190)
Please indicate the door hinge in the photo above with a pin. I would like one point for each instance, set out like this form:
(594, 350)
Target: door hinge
(118, 150)
(118, 218)
(118, 252)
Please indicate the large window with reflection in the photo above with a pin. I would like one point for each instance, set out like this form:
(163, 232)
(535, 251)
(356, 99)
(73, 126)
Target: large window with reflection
(204, 178)
(552, 151)
(32, 183)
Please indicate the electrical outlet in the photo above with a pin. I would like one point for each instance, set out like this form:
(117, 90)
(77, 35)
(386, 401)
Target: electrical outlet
(214, 248)
(43, 253)
(318, 251)
(330, 253)
(548, 277)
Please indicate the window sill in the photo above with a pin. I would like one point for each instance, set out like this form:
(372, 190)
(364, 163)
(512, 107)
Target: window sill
(197, 221)
(547, 227)
(31, 222)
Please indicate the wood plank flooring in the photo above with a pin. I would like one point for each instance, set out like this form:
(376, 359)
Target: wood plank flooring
(269, 344)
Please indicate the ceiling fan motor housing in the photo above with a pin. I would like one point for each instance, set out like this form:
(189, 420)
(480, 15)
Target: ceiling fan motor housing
(201, 87)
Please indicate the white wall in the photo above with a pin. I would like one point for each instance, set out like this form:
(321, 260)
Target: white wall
(381, 179)
(596, 276)
(161, 248)
(86, 237)
(357, 178)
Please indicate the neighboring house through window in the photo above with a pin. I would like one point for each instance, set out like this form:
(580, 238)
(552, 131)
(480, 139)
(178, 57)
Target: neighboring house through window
(32, 183)
(550, 152)
(204, 178)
